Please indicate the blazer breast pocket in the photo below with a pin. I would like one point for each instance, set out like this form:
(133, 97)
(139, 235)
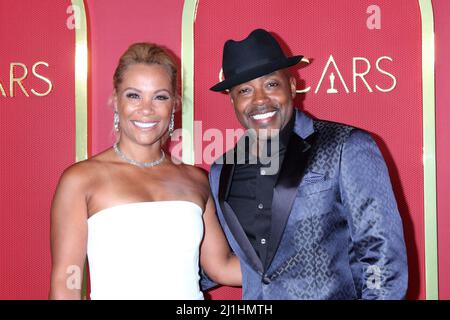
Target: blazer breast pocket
(314, 186)
(316, 198)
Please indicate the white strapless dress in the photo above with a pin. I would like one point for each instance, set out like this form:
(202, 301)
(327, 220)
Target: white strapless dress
(146, 250)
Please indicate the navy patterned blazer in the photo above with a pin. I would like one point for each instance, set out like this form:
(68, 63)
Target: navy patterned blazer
(336, 232)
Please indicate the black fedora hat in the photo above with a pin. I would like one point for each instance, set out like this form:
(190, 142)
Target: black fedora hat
(253, 57)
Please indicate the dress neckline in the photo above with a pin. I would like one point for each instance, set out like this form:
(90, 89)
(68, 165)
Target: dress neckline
(144, 202)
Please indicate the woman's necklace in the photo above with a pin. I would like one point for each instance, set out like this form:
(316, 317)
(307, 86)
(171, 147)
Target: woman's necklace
(137, 163)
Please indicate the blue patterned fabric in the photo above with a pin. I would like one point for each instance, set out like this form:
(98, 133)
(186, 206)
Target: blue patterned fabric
(343, 236)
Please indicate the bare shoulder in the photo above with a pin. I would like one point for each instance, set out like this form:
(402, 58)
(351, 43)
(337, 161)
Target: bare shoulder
(77, 176)
(83, 173)
(197, 174)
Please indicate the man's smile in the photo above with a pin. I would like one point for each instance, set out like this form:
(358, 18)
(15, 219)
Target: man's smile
(263, 116)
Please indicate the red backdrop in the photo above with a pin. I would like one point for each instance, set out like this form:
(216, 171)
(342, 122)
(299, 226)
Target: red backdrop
(37, 137)
(442, 30)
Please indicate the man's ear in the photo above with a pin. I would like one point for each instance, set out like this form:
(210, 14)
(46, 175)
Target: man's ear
(293, 84)
(231, 98)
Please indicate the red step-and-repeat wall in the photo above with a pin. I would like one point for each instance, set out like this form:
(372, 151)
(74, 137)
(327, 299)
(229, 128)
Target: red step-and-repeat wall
(37, 136)
(372, 48)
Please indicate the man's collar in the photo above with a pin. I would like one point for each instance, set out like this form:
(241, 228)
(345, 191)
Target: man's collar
(304, 126)
(286, 132)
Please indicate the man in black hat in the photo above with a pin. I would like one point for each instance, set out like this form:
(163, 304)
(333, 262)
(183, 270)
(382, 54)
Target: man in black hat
(324, 224)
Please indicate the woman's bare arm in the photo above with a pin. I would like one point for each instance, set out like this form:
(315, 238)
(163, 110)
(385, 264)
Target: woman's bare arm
(68, 235)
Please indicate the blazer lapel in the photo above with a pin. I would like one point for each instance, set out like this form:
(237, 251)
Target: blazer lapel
(291, 172)
(233, 223)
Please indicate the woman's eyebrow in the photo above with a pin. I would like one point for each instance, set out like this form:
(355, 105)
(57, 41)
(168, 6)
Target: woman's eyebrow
(132, 88)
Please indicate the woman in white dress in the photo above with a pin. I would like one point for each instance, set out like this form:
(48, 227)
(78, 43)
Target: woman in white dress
(144, 223)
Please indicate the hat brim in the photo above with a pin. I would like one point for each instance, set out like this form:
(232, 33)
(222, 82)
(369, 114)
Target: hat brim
(255, 72)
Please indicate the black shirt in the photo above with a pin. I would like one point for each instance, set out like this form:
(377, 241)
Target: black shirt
(251, 192)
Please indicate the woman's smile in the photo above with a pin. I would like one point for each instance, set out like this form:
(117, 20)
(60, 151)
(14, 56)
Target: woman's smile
(145, 125)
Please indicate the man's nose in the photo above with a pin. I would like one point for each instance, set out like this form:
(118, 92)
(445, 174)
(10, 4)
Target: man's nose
(260, 97)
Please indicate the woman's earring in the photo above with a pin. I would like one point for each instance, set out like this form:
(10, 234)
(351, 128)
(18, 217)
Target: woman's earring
(171, 124)
(116, 121)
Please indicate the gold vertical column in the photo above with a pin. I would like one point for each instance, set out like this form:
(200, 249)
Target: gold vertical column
(187, 79)
(81, 107)
(429, 151)
(81, 73)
